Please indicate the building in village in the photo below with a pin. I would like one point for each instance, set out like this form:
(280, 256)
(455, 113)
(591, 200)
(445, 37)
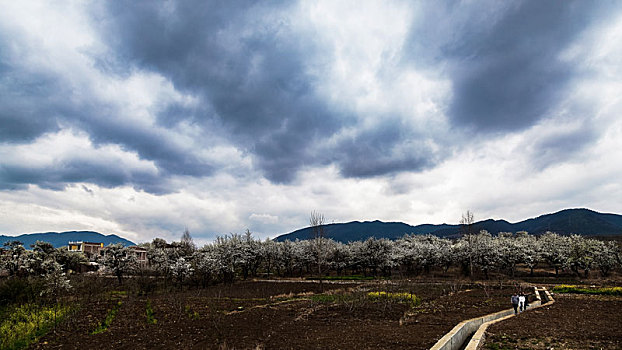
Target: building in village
(90, 249)
(141, 255)
(93, 249)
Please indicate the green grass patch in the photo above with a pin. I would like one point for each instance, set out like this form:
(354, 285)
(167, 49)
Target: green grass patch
(112, 313)
(118, 294)
(331, 298)
(150, 315)
(324, 298)
(24, 324)
(566, 288)
(193, 315)
(409, 298)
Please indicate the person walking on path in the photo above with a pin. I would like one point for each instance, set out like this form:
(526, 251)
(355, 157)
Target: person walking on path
(521, 302)
(515, 303)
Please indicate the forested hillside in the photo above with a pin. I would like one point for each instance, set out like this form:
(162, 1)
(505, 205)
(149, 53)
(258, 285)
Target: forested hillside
(570, 221)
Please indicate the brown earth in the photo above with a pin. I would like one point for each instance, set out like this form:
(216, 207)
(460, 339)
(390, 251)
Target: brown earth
(576, 322)
(281, 315)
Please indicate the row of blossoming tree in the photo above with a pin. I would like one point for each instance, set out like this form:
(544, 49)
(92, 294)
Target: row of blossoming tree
(241, 256)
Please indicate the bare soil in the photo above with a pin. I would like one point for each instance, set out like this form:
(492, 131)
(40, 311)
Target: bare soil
(576, 322)
(281, 315)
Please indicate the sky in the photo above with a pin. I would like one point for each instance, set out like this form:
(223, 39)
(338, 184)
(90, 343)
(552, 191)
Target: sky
(142, 118)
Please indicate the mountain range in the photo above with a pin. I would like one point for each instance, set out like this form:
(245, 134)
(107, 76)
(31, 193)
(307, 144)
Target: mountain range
(578, 221)
(59, 239)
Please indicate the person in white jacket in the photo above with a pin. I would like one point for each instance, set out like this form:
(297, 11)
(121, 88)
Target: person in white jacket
(521, 302)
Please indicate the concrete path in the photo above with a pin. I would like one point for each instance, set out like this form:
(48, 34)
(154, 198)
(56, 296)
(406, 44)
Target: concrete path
(455, 339)
(478, 338)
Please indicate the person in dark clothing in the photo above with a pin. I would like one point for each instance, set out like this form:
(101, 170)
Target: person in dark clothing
(515, 303)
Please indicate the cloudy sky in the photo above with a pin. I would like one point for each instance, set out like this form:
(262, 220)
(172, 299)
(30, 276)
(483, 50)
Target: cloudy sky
(142, 118)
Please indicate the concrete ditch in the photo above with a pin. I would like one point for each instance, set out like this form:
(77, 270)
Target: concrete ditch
(475, 328)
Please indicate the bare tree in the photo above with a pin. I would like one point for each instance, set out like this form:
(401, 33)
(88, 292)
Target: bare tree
(187, 244)
(467, 230)
(316, 221)
(185, 237)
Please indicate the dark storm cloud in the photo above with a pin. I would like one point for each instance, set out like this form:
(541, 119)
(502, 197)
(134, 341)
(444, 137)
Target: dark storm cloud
(505, 66)
(149, 143)
(562, 144)
(380, 151)
(21, 119)
(253, 76)
(253, 72)
(34, 102)
(33, 106)
(27, 109)
(58, 175)
(173, 114)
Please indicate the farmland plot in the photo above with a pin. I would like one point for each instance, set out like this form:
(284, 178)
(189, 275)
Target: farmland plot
(286, 314)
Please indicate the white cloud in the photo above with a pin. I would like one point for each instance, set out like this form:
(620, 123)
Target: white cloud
(364, 70)
(264, 218)
(68, 145)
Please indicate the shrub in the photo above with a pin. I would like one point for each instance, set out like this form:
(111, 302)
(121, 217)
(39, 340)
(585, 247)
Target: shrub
(399, 297)
(22, 325)
(150, 315)
(565, 288)
(325, 298)
(193, 315)
(112, 313)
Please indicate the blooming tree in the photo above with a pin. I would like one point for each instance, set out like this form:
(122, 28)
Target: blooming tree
(606, 255)
(554, 250)
(120, 260)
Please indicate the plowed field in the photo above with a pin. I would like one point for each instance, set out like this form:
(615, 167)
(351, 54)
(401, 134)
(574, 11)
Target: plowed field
(279, 315)
(576, 322)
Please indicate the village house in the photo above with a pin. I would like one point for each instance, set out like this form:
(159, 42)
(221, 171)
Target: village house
(92, 250)
(141, 255)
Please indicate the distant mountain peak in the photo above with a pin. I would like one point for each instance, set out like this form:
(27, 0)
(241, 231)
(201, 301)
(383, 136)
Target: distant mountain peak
(574, 220)
(60, 239)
